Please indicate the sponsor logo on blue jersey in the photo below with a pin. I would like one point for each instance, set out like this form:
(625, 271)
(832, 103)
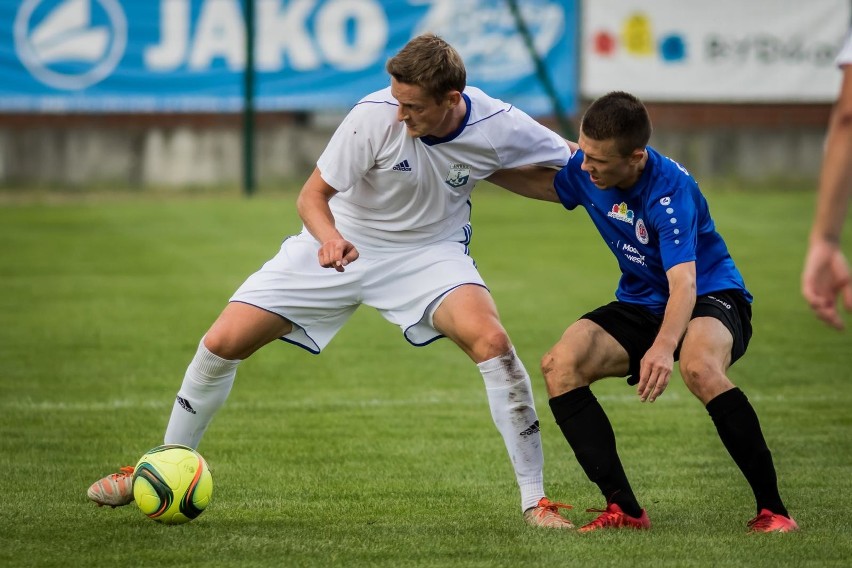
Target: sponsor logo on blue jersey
(620, 212)
(632, 254)
(641, 231)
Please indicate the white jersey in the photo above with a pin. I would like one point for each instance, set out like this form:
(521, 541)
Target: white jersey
(399, 191)
(845, 55)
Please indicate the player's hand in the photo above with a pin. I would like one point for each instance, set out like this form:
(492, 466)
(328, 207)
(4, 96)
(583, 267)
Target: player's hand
(655, 370)
(825, 279)
(337, 253)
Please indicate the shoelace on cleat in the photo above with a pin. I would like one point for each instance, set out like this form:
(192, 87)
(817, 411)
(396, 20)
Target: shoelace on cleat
(554, 506)
(606, 519)
(123, 472)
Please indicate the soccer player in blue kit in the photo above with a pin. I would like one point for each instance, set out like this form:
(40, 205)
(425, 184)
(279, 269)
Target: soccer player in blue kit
(680, 296)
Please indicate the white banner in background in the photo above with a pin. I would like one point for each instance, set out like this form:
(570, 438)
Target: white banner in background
(720, 51)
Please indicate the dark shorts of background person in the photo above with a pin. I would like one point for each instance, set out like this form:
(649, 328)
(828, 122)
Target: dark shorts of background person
(632, 325)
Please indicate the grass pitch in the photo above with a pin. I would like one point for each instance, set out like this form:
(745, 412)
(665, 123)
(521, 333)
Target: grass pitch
(377, 453)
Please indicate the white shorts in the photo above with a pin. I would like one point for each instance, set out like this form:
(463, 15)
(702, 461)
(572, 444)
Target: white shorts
(404, 285)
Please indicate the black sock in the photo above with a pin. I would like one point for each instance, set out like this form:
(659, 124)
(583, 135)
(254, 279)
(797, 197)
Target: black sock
(589, 433)
(739, 428)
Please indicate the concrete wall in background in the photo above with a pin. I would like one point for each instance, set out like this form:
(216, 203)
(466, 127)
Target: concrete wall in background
(152, 151)
(748, 142)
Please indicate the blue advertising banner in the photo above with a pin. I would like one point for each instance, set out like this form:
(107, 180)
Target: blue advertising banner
(189, 55)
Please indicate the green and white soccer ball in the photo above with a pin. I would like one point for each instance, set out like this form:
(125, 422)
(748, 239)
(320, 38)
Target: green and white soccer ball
(172, 484)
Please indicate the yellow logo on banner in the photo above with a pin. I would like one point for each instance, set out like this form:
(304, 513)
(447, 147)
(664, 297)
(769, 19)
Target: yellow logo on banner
(637, 36)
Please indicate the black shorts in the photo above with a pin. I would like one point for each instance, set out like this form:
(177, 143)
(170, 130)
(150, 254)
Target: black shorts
(635, 327)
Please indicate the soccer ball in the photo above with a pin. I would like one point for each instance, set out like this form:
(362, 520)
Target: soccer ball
(172, 484)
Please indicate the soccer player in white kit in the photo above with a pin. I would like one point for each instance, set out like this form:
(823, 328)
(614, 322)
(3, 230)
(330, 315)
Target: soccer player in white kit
(386, 223)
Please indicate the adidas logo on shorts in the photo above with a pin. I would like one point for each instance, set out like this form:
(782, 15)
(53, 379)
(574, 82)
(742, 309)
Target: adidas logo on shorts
(402, 167)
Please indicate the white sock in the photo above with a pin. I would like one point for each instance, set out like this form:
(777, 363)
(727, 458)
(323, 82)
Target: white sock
(510, 397)
(206, 385)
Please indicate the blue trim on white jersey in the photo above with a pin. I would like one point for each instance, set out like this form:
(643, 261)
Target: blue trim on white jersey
(377, 103)
(501, 111)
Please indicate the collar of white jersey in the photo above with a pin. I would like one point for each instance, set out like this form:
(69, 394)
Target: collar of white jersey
(432, 140)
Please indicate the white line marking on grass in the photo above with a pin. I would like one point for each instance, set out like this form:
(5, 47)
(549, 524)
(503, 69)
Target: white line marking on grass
(121, 404)
(54, 406)
(28, 404)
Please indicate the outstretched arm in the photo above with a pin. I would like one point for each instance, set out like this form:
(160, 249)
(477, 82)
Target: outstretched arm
(535, 182)
(312, 204)
(826, 277)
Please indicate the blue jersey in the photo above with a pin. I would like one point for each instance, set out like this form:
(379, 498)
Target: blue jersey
(660, 222)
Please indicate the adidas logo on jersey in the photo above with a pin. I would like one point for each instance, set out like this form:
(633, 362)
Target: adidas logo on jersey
(402, 166)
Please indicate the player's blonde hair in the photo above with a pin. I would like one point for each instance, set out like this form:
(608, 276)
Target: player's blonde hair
(430, 63)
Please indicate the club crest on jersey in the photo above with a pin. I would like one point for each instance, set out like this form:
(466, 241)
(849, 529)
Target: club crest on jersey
(458, 175)
(620, 212)
(641, 231)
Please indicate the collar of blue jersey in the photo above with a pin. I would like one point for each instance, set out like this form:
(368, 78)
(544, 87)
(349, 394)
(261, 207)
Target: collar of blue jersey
(432, 140)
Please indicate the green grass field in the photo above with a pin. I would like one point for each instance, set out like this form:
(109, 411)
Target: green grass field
(377, 453)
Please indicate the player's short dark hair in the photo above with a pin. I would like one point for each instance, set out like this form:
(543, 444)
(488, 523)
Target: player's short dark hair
(621, 117)
(430, 63)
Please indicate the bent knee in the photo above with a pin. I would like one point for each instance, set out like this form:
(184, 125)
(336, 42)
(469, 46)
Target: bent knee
(242, 329)
(491, 344)
(218, 344)
(698, 370)
(562, 371)
(229, 344)
(704, 377)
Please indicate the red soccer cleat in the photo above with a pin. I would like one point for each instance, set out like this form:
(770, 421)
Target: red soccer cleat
(767, 521)
(613, 517)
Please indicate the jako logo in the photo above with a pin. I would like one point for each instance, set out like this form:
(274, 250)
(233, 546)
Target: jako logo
(637, 38)
(70, 44)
